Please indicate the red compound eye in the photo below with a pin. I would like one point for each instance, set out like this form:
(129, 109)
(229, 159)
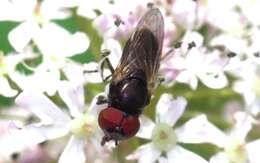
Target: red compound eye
(130, 125)
(110, 118)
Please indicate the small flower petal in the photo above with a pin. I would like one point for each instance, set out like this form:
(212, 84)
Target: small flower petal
(74, 151)
(215, 81)
(42, 107)
(200, 130)
(20, 36)
(219, 158)
(35, 133)
(169, 110)
(187, 77)
(251, 148)
(146, 128)
(179, 154)
(36, 82)
(163, 160)
(73, 96)
(74, 73)
(145, 153)
(71, 44)
(243, 125)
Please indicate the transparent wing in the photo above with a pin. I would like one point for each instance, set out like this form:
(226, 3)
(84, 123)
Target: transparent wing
(143, 49)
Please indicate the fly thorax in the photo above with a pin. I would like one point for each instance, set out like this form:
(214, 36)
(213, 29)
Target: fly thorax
(163, 137)
(130, 94)
(84, 125)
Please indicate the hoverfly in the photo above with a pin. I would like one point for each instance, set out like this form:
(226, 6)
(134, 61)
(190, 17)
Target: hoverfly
(134, 79)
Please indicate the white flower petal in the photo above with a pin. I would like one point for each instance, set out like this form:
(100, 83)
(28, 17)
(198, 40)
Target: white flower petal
(19, 139)
(219, 158)
(214, 81)
(193, 82)
(103, 151)
(74, 151)
(163, 160)
(40, 81)
(86, 13)
(200, 130)
(103, 23)
(169, 110)
(145, 153)
(42, 107)
(146, 128)
(6, 127)
(5, 88)
(16, 10)
(8, 145)
(251, 148)
(188, 78)
(190, 36)
(35, 134)
(54, 9)
(20, 36)
(74, 73)
(78, 43)
(73, 96)
(179, 154)
(71, 44)
(243, 125)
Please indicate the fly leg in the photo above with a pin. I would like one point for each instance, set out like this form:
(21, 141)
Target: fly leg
(102, 64)
(101, 100)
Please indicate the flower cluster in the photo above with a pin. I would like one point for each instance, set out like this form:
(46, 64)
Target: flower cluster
(206, 108)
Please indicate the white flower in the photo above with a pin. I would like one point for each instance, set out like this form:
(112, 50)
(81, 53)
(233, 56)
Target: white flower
(54, 123)
(234, 145)
(55, 43)
(236, 148)
(32, 14)
(163, 137)
(42, 80)
(228, 20)
(129, 15)
(189, 65)
(7, 67)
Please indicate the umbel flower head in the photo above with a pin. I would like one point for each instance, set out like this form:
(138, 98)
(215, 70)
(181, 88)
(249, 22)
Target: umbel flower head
(81, 124)
(162, 135)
